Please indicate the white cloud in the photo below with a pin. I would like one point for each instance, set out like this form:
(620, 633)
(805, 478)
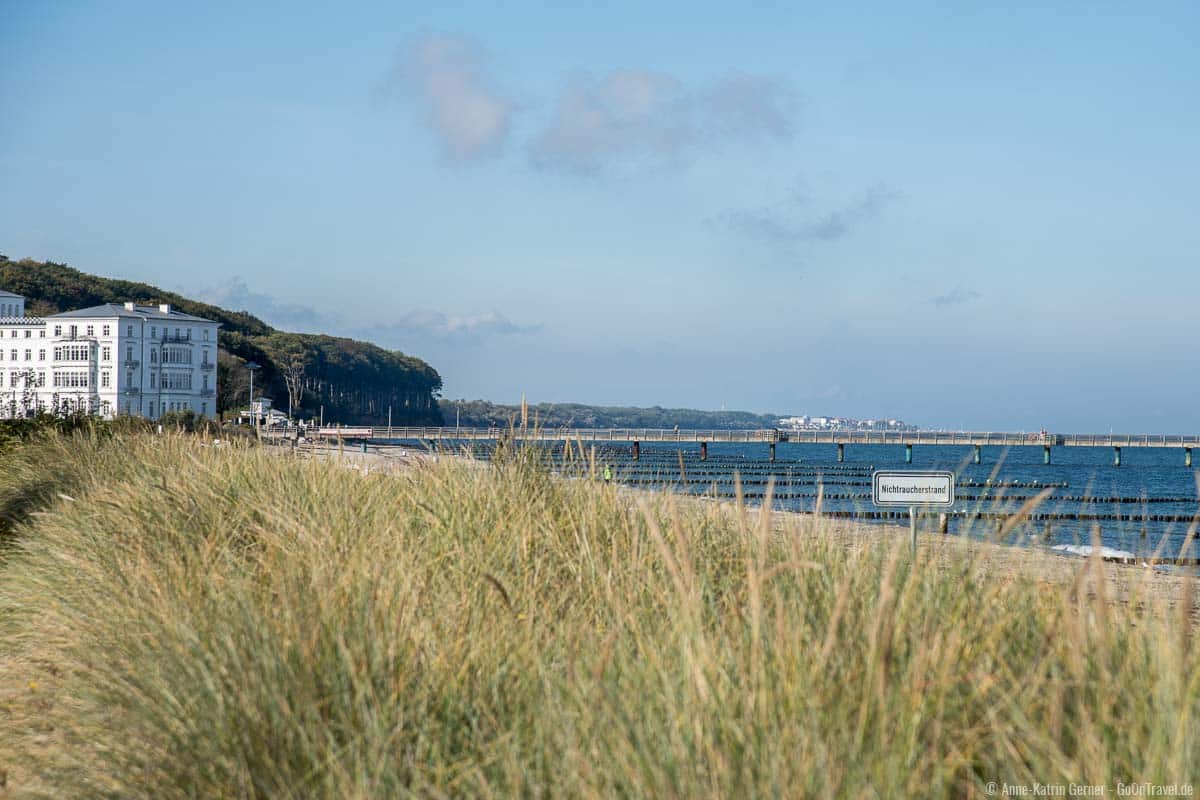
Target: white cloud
(447, 79)
(638, 119)
(415, 325)
(235, 295)
(740, 105)
(435, 325)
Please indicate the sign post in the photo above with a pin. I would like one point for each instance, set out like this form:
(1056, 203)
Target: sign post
(910, 488)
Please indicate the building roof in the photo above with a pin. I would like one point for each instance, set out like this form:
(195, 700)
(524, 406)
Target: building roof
(10, 294)
(137, 312)
(21, 321)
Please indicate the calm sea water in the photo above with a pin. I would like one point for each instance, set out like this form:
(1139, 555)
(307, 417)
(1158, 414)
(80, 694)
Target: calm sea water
(1145, 504)
(1152, 493)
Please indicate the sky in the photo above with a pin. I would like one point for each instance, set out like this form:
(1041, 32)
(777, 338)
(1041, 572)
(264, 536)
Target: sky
(963, 215)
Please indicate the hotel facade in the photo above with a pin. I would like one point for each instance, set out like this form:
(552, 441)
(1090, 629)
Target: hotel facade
(107, 360)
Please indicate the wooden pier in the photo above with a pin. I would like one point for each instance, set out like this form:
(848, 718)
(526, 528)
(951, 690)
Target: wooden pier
(773, 436)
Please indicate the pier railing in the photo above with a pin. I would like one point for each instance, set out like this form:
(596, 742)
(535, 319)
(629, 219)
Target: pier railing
(583, 434)
(771, 437)
(961, 438)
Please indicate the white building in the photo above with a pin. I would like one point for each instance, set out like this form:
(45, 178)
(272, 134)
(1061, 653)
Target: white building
(107, 360)
(12, 306)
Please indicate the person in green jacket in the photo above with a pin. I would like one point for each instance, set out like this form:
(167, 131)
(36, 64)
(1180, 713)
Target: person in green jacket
(607, 472)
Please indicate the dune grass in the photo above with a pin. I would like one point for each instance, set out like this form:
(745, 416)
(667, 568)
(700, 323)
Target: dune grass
(187, 621)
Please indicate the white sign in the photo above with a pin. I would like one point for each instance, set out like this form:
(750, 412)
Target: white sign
(901, 488)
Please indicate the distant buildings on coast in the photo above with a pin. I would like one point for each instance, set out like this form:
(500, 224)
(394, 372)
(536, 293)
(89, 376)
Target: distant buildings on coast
(107, 360)
(807, 423)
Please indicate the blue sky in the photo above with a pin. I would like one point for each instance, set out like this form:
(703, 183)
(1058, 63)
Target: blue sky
(978, 215)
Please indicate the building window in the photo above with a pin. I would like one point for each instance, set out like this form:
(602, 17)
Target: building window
(153, 332)
(105, 379)
(107, 353)
(58, 330)
(42, 333)
(73, 353)
(153, 356)
(129, 354)
(28, 334)
(29, 355)
(206, 334)
(71, 380)
(129, 333)
(151, 380)
(41, 355)
(176, 356)
(176, 380)
(14, 355)
(152, 408)
(91, 330)
(74, 331)
(204, 409)
(107, 330)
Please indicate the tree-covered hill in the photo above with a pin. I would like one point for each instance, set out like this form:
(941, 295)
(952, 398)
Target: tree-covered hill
(480, 413)
(355, 382)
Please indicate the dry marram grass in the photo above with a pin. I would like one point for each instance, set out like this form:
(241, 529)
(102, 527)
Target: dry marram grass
(179, 620)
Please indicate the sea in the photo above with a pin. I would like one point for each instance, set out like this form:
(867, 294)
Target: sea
(1144, 507)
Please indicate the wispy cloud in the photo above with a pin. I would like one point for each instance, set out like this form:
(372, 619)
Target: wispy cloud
(764, 225)
(841, 222)
(414, 326)
(447, 79)
(745, 106)
(790, 225)
(632, 120)
(235, 295)
(434, 325)
(626, 120)
(955, 297)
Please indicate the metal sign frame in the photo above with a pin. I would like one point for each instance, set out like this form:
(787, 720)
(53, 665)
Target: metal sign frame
(879, 475)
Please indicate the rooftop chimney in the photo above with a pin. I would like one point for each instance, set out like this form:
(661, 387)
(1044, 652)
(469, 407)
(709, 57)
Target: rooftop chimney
(164, 308)
(129, 306)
